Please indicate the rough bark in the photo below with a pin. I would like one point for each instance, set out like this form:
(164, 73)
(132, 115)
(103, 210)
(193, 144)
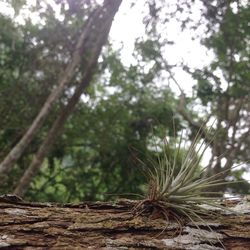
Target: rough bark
(86, 39)
(100, 225)
(57, 126)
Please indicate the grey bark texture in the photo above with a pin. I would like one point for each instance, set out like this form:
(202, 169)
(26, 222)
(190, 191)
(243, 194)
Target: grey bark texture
(106, 225)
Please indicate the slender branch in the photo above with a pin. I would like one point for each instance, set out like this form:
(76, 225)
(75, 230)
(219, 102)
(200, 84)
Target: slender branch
(86, 39)
(57, 127)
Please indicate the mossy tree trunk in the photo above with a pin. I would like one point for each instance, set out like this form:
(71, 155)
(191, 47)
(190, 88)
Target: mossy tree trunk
(100, 225)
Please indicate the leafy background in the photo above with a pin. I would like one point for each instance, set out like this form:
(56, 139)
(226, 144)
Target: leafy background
(129, 107)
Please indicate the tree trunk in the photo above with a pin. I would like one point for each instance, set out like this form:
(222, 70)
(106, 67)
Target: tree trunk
(61, 119)
(91, 33)
(100, 225)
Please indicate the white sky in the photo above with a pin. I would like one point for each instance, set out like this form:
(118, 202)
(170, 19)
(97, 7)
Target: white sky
(128, 26)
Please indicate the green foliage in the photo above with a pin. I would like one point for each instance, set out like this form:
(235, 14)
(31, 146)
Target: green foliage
(103, 137)
(95, 157)
(223, 86)
(231, 47)
(123, 109)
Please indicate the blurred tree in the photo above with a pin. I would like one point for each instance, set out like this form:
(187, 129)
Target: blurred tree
(140, 108)
(106, 135)
(223, 87)
(88, 46)
(128, 108)
(90, 43)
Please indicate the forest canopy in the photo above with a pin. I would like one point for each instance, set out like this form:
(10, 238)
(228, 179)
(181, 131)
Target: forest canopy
(78, 120)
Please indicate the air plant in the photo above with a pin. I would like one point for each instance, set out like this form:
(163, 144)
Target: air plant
(176, 192)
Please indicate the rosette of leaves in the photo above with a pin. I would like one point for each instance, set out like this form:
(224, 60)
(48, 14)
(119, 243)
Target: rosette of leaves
(180, 192)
